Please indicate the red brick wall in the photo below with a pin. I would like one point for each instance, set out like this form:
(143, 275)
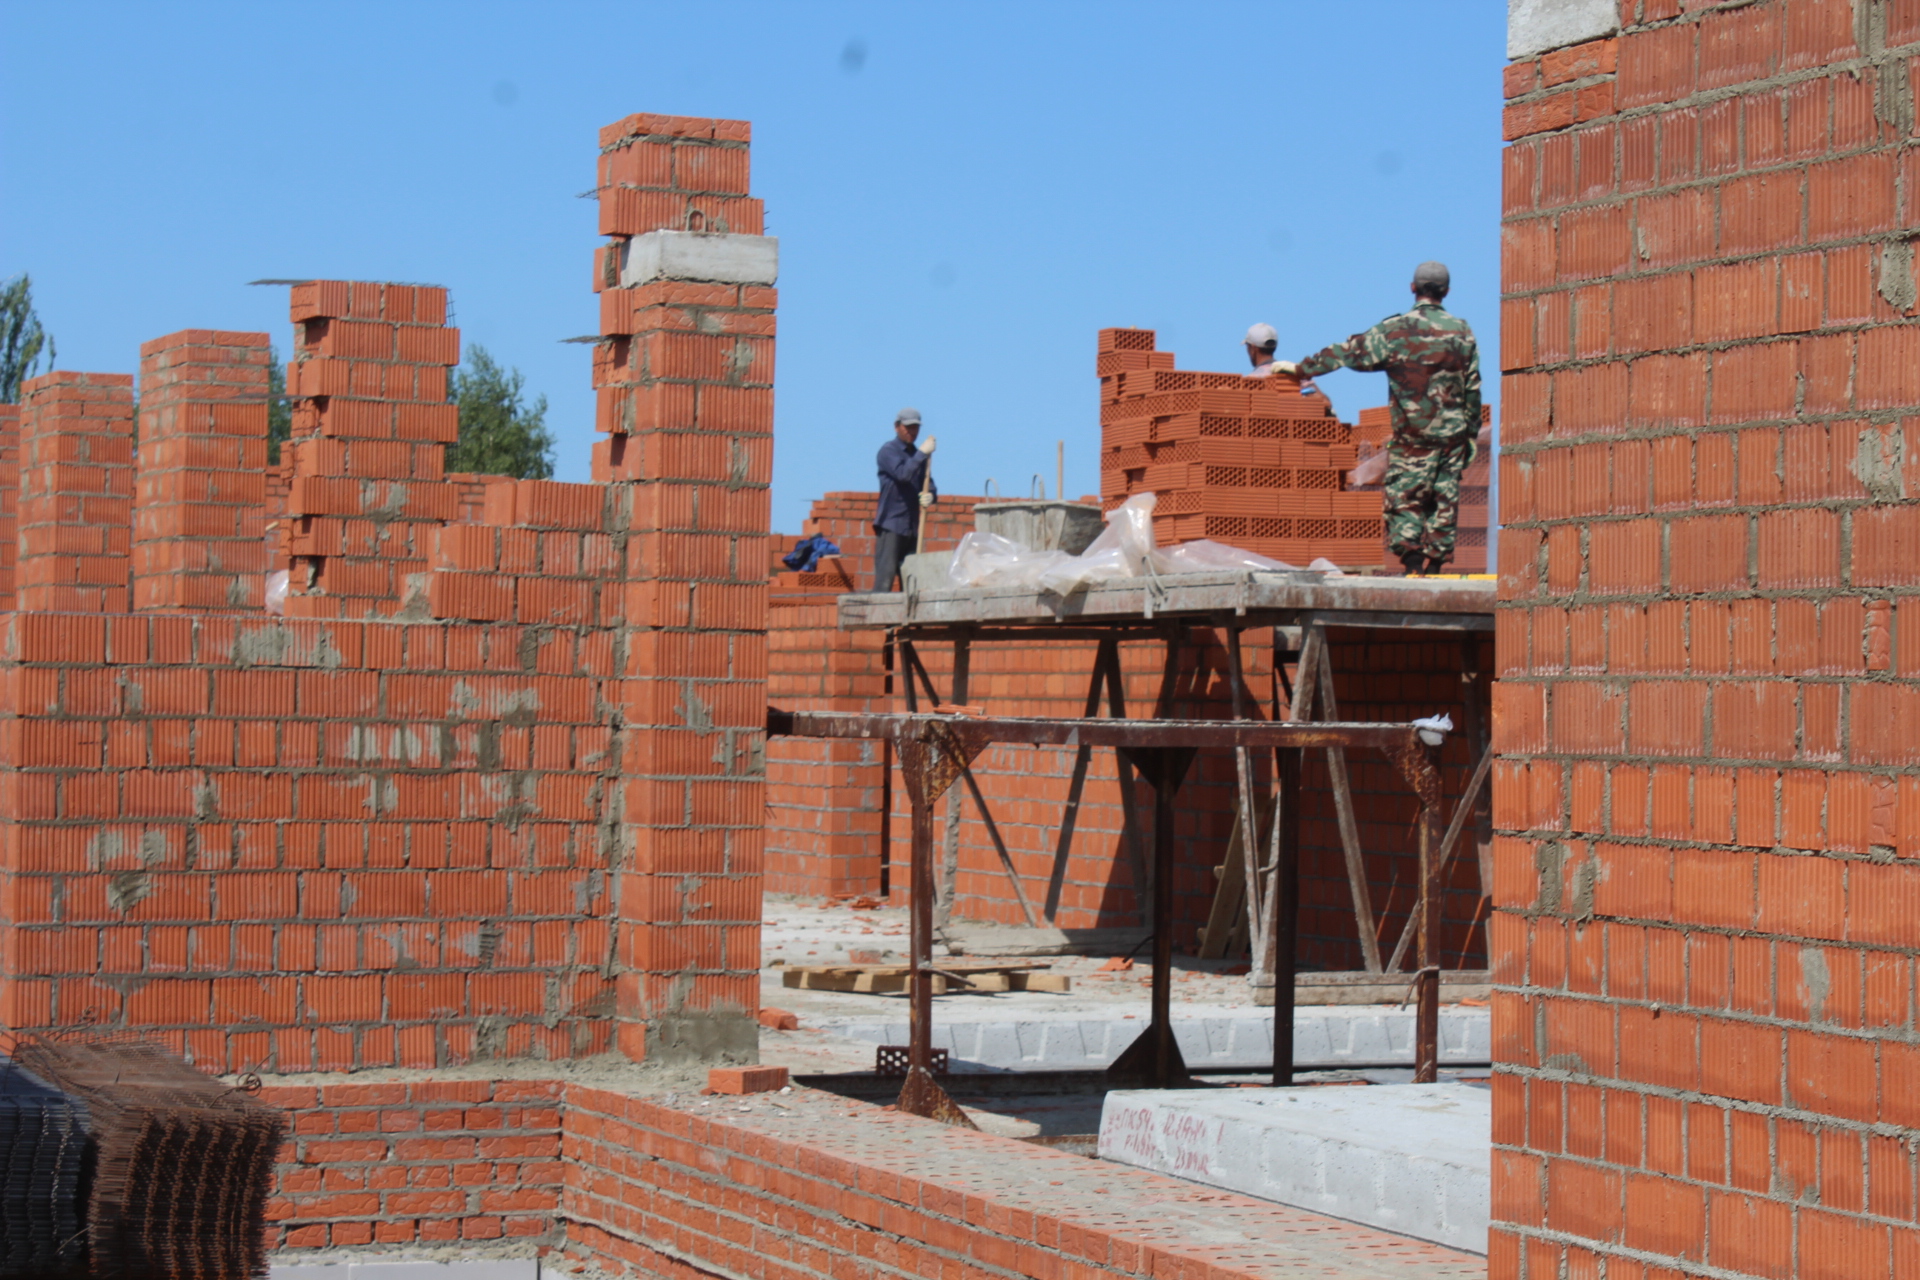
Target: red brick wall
(823, 798)
(9, 501)
(1706, 824)
(654, 1186)
(494, 788)
(429, 1163)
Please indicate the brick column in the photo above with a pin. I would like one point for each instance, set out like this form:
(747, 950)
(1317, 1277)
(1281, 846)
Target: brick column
(76, 493)
(685, 371)
(9, 502)
(201, 488)
(371, 423)
(1708, 848)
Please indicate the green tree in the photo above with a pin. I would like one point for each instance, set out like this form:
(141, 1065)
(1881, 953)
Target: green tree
(499, 434)
(22, 339)
(279, 411)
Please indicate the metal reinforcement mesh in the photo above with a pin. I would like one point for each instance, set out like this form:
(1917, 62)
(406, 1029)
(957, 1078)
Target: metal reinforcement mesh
(180, 1164)
(43, 1146)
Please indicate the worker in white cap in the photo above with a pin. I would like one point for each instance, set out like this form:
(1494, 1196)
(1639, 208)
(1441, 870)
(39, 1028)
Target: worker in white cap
(905, 488)
(1262, 342)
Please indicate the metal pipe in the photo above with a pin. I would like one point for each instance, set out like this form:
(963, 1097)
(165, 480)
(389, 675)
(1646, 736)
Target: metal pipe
(920, 940)
(1426, 1030)
(1284, 929)
(1163, 1043)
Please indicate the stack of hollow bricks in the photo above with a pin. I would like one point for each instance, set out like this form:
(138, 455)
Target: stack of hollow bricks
(1246, 461)
(492, 788)
(1707, 816)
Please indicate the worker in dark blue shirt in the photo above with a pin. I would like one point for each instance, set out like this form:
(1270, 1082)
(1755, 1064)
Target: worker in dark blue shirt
(903, 469)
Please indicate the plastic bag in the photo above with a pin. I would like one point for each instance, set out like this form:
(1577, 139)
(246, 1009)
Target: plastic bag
(277, 593)
(1206, 556)
(1371, 470)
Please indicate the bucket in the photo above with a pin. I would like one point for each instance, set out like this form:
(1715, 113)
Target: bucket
(1040, 525)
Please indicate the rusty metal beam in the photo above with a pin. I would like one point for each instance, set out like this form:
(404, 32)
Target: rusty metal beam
(1389, 737)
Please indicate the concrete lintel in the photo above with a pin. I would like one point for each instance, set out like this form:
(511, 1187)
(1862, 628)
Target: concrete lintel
(1535, 26)
(699, 256)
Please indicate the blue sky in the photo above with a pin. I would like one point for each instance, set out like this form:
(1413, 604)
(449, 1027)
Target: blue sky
(963, 193)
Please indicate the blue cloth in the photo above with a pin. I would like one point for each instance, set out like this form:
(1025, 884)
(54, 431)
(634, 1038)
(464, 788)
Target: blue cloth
(902, 467)
(806, 553)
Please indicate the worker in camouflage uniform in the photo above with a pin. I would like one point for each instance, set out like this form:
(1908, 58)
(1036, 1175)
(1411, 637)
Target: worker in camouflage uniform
(1433, 375)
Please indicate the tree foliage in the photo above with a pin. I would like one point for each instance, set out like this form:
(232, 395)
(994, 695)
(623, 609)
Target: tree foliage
(279, 411)
(499, 433)
(22, 339)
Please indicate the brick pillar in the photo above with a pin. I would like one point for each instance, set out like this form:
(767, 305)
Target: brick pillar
(371, 423)
(685, 371)
(9, 502)
(76, 493)
(201, 489)
(1708, 848)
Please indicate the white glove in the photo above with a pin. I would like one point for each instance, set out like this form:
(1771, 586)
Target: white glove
(927, 445)
(926, 499)
(1287, 366)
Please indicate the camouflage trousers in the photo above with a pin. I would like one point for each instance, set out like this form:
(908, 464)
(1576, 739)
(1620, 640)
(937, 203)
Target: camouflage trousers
(1423, 496)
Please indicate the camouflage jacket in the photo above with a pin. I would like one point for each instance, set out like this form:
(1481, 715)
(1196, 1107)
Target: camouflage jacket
(1433, 372)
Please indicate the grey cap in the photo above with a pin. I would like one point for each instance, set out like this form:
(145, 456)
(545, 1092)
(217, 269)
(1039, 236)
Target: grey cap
(908, 417)
(1262, 337)
(1434, 275)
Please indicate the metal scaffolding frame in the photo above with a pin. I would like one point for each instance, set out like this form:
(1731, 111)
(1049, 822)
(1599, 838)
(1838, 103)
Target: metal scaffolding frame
(936, 750)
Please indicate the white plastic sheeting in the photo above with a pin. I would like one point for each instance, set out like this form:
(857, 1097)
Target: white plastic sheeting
(1124, 549)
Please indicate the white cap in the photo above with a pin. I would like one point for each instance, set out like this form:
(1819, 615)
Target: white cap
(907, 417)
(1263, 337)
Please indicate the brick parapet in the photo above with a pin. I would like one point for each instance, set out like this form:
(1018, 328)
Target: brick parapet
(200, 490)
(76, 492)
(367, 456)
(1704, 1025)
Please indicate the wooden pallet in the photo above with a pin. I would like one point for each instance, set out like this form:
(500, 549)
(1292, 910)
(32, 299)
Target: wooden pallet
(887, 979)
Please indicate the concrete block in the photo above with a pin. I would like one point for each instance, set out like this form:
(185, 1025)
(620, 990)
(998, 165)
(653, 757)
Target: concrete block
(1535, 26)
(1324, 1038)
(698, 255)
(926, 571)
(1413, 1158)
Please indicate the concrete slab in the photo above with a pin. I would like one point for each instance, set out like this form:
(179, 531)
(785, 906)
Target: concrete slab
(1324, 1037)
(378, 1266)
(1413, 1159)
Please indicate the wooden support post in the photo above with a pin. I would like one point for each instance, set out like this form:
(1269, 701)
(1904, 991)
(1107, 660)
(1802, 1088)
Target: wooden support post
(950, 838)
(1349, 828)
(1082, 759)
